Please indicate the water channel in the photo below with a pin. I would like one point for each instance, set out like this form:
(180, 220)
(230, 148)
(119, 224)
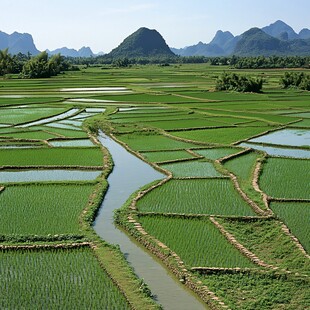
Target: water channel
(128, 175)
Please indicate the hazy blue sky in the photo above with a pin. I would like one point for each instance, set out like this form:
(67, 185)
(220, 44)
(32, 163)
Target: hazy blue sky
(103, 24)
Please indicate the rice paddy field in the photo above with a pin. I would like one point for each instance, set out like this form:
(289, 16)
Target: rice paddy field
(199, 196)
(166, 156)
(172, 117)
(197, 168)
(295, 215)
(43, 209)
(281, 178)
(197, 241)
(51, 279)
(56, 156)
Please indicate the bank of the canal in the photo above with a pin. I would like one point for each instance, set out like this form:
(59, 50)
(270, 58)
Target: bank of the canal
(128, 175)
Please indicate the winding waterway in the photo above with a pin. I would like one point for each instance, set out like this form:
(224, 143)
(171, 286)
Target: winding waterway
(130, 174)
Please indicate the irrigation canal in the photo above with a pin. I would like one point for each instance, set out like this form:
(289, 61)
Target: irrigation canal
(130, 174)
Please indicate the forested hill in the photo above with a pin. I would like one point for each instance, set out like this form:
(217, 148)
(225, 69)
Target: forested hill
(256, 42)
(142, 43)
(276, 39)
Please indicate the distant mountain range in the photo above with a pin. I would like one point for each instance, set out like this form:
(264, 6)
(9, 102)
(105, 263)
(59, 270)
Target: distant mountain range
(276, 39)
(18, 43)
(23, 43)
(70, 52)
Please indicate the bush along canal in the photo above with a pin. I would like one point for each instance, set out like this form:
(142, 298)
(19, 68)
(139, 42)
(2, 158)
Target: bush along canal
(130, 174)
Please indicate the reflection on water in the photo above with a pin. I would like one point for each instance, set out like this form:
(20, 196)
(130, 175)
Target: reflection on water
(50, 119)
(294, 137)
(47, 175)
(72, 143)
(278, 151)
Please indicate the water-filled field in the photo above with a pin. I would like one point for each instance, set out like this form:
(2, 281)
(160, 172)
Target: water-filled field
(236, 202)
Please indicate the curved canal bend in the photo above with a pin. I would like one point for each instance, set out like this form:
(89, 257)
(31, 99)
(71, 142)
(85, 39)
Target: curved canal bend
(128, 175)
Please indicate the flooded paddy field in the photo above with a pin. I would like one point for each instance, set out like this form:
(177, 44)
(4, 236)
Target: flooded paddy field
(191, 171)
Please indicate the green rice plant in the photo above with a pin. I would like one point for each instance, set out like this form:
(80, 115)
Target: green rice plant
(196, 168)
(303, 123)
(38, 135)
(147, 142)
(216, 153)
(158, 113)
(67, 133)
(166, 155)
(145, 98)
(243, 168)
(208, 196)
(286, 178)
(248, 106)
(139, 117)
(300, 114)
(267, 291)
(42, 209)
(257, 124)
(60, 156)
(198, 242)
(6, 131)
(17, 143)
(184, 123)
(279, 119)
(148, 110)
(296, 216)
(227, 96)
(220, 135)
(243, 165)
(9, 100)
(56, 279)
(149, 118)
(24, 115)
(291, 112)
(222, 107)
(228, 120)
(267, 240)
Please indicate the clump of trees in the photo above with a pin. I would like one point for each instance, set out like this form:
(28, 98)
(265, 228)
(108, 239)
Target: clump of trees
(11, 64)
(239, 83)
(40, 66)
(296, 79)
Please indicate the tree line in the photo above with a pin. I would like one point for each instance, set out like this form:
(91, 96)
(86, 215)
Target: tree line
(42, 65)
(262, 62)
(237, 62)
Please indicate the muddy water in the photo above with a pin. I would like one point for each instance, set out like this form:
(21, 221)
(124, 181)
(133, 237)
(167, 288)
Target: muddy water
(129, 174)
